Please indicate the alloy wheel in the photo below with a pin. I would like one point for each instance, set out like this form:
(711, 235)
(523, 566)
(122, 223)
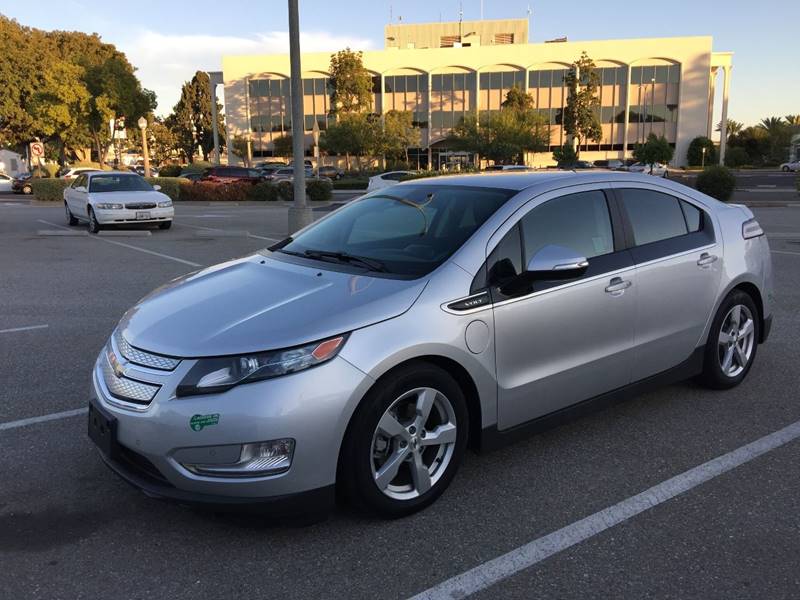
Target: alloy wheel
(736, 340)
(413, 443)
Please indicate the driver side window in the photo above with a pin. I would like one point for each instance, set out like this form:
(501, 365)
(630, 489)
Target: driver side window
(79, 181)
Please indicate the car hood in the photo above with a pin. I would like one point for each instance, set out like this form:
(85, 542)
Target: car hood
(260, 303)
(145, 196)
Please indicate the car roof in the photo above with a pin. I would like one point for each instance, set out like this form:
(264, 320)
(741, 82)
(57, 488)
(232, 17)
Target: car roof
(94, 172)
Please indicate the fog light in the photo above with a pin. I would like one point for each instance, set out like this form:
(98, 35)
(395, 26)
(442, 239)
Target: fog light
(256, 460)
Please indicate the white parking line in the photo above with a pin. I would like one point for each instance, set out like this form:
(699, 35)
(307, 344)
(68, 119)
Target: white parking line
(43, 419)
(99, 239)
(502, 567)
(28, 328)
(785, 252)
(252, 235)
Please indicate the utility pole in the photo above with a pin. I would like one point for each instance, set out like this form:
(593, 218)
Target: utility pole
(142, 122)
(300, 214)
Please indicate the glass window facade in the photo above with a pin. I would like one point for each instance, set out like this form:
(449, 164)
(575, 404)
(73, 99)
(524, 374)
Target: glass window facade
(452, 97)
(407, 93)
(654, 101)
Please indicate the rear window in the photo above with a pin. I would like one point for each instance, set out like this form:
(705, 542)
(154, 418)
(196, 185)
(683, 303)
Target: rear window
(653, 216)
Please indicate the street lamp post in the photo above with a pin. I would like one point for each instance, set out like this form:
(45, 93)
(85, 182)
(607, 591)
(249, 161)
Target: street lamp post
(703, 158)
(315, 135)
(142, 122)
(300, 214)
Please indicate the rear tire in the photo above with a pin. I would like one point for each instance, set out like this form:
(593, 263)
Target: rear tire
(71, 220)
(785, 169)
(165, 225)
(27, 190)
(399, 422)
(732, 342)
(94, 226)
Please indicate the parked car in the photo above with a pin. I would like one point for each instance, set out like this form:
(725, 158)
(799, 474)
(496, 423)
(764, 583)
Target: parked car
(614, 164)
(73, 172)
(139, 170)
(6, 182)
(508, 168)
(627, 163)
(308, 164)
(232, 175)
(287, 174)
(270, 164)
(790, 166)
(361, 355)
(383, 180)
(331, 172)
(575, 165)
(22, 184)
(116, 198)
(192, 176)
(657, 170)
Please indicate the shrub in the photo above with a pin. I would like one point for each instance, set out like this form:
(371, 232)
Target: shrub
(49, 189)
(317, 190)
(285, 190)
(716, 181)
(565, 154)
(694, 155)
(263, 192)
(351, 183)
(170, 171)
(171, 186)
(208, 191)
(736, 157)
(196, 167)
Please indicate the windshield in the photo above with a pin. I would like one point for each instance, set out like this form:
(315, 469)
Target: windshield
(409, 232)
(118, 183)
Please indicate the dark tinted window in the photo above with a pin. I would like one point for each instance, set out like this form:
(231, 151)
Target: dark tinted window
(692, 215)
(654, 216)
(505, 261)
(580, 222)
(411, 229)
(118, 183)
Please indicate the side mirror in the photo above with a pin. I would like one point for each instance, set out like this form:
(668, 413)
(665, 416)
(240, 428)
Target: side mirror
(556, 262)
(157, 188)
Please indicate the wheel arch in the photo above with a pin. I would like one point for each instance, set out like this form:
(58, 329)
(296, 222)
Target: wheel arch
(752, 290)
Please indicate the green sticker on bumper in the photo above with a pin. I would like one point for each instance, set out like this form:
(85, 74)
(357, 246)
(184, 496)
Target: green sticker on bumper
(197, 422)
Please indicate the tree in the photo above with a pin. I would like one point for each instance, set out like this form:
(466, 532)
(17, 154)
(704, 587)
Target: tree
(398, 135)
(350, 83)
(565, 155)
(241, 148)
(655, 150)
(353, 134)
(733, 128)
(583, 103)
(162, 142)
(778, 133)
(736, 157)
(755, 142)
(506, 135)
(282, 146)
(694, 154)
(191, 119)
(792, 120)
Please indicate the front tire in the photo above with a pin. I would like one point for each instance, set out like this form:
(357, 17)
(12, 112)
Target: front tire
(786, 169)
(71, 220)
(165, 225)
(27, 190)
(405, 442)
(732, 342)
(94, 226)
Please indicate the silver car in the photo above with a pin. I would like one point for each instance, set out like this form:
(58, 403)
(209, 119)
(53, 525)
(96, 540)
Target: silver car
(364, 354)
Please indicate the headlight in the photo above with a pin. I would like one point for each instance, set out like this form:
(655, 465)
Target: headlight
(213, 375)
(165, 204)
(108, 206)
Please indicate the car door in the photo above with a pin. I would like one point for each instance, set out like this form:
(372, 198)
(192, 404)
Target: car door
(71, 195)
(678, 268)
(562, 341)
(80, 196)
(5, 183)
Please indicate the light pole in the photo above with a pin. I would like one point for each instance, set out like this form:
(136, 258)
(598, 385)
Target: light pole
(300, 214)
(315, 135)
(703, 158)
(142, 122)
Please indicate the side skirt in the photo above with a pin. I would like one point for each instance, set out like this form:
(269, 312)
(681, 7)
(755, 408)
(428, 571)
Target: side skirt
(492, 438)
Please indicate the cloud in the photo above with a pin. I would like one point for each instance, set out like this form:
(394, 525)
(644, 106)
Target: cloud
(165, 62)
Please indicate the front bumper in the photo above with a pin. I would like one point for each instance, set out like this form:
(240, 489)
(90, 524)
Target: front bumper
(312, 407)
(121, 216)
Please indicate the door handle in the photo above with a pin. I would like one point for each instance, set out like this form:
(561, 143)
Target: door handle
(706, 260)
(617, 286)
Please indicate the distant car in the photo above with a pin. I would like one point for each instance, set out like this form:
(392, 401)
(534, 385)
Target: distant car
(508, 168)
(331, 172)
(658, 169)
(115, 198)
(790, 166)
(576, 165)
(139, 170)
(307, 163)
(192, 176)
(73, 172)
(287, 174)
(22, 184)
(383, 180)
(6, 181)
(232, 175)
(270, 164)
(613, 164)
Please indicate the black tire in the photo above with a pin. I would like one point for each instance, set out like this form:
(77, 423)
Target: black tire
(94, 226)
(713, 375)
(785, 169)
(356, 481)
(165, 225)
(665, 175)
(71, 220)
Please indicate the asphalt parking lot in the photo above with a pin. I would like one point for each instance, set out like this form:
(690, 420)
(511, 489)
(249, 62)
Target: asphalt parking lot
(69, 528)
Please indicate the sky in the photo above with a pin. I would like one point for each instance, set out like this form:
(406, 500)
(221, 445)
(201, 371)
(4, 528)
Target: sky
(168, 41)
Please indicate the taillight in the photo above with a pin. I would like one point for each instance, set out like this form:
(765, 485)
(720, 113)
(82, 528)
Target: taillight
(751, 229)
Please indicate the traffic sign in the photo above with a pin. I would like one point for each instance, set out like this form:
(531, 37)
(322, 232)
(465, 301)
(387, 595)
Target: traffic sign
(37, 149)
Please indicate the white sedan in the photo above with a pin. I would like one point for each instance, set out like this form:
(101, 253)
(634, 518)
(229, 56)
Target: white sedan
(387, 179)
(116, 198)
(658, 170)
(791, 166)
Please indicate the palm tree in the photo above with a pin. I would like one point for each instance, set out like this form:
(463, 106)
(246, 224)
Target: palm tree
(734, 127)
(792, 120)
(773, 125)
(778, 131)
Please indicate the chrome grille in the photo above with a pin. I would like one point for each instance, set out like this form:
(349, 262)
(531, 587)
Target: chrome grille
(127, 389)
(140, 205)
(140, 357)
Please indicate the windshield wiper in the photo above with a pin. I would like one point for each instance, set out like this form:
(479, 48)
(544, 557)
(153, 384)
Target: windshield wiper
(371, 263)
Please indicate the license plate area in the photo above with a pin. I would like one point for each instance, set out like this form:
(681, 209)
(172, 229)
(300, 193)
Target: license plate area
(103, 431)
(142, 215)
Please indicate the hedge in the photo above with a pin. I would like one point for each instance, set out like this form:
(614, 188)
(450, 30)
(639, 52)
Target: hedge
(351, 183)
(209, 191)
(716, 181)
(171, 186)
(318, 190)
